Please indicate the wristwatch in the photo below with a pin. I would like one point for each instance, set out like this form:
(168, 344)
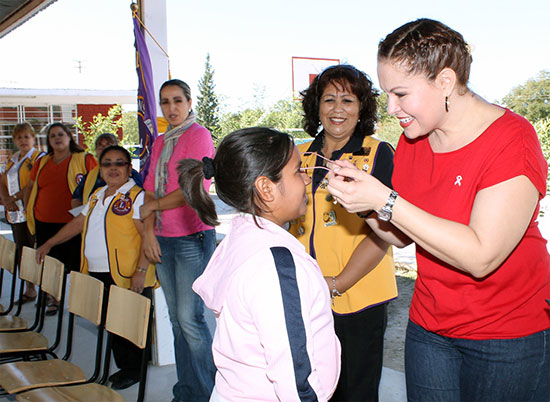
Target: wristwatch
(385, 213)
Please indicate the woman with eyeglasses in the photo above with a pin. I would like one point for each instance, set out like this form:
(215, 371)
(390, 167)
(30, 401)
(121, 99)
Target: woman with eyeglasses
(340, 113)
(179, 242)
(111, 246)
(468, 179)
(49, 192)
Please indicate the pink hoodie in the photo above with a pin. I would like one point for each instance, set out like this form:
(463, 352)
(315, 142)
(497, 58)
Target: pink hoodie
(274, 339)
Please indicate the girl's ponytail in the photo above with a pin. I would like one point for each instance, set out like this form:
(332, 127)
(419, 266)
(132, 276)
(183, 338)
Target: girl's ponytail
(191, 174)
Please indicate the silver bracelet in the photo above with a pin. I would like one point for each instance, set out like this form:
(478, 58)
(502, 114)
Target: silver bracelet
(334, 291)
(138, 269)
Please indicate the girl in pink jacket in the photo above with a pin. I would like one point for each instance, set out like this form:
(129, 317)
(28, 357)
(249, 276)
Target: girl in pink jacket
(274, 339)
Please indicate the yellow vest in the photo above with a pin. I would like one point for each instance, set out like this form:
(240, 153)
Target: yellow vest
(24, 172)
(122, 239)
(331, 235)
(89, 184)
(75, 172)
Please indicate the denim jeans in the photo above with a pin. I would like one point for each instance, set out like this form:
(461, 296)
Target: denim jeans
(183, 260)
(440, 368)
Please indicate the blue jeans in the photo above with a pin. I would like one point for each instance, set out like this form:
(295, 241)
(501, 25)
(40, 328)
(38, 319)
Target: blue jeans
(440, 368)
(183, 260)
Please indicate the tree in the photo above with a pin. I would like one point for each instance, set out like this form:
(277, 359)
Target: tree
(207, 105)
(111, 123)
(100, 124)
(388, 128)
(286, 116)
(532, 99)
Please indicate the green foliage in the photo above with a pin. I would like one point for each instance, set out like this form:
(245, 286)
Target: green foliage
(532, 99)
(100, 124)
(285, 115)
(207, 105)
(130, 130)
(388, 128)
(542, 127)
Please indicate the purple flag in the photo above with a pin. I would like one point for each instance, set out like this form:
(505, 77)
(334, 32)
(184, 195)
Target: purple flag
(147, 111)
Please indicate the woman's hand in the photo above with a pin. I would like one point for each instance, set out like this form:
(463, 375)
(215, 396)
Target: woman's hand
(355, 190)
(151, 247)
(138, 282)
(42, 251)
(147, 209)
(10, 204)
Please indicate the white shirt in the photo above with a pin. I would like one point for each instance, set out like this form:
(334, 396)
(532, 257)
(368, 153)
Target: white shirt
(95, 250)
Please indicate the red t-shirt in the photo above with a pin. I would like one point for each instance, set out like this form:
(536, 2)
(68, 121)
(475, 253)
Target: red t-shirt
(510, 302)
(53, 199)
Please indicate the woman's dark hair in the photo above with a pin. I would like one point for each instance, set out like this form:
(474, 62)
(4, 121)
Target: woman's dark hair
(111, 138)
(118, 148)
(177, 83)
(241, 158)
(73, 146)
(345, 76)
(426, 47)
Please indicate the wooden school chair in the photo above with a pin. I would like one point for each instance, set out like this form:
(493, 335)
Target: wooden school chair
(85, 300)
(29, 271)
(7, 264)
(17, 345)
(128, 315)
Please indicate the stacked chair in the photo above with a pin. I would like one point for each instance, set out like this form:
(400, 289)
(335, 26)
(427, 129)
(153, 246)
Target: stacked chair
(7, 264)
(128, 314)
(26, 344)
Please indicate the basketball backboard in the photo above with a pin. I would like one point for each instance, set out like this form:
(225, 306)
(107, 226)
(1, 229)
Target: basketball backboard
(304, 71)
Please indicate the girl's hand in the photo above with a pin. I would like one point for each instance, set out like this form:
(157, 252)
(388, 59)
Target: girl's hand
(138, 282)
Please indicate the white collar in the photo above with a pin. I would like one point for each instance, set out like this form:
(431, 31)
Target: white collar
(122, 189)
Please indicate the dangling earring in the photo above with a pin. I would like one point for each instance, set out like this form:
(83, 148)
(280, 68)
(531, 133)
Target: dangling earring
(447, 104)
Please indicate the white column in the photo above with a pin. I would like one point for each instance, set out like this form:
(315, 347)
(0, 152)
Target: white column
(153, 14)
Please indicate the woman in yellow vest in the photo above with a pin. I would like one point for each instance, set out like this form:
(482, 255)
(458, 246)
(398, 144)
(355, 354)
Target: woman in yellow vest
(53, 179)
(340, 113)
(111, 246)
(14, 180)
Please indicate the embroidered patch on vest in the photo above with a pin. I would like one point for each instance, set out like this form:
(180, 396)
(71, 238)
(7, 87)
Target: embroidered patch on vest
(122, 206)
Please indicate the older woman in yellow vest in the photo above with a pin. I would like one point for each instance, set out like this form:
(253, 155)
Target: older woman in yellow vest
(340, 112)
(14, 180)
(111, 245)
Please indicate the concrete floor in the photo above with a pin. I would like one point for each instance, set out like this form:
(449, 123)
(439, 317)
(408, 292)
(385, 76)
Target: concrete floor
(159, 379)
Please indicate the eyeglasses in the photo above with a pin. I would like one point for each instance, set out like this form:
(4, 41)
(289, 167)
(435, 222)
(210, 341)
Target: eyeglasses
(116, 163)
(304, 169)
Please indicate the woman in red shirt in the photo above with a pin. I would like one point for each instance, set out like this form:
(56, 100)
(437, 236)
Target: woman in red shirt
(49, 192)
(468, 178)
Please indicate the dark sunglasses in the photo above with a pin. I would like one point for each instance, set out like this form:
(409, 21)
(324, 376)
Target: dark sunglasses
(116, 163)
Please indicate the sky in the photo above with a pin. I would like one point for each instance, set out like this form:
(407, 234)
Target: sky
(251, 42)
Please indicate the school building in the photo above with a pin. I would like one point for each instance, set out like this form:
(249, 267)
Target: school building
(41, 107)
